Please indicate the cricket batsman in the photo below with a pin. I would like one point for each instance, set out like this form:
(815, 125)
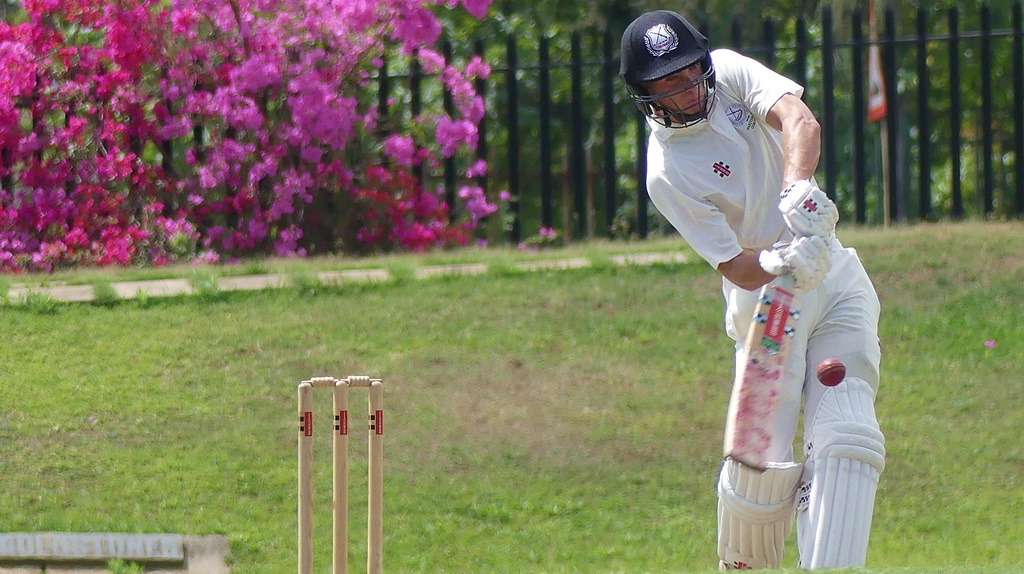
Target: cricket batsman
(730, 164)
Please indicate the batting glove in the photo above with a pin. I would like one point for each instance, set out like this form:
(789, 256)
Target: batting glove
(806, 259)
(807, 210)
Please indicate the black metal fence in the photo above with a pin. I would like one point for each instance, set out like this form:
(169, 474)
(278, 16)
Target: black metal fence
(562, 138)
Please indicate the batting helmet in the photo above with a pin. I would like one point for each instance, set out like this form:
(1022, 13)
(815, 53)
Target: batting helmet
(656, 45)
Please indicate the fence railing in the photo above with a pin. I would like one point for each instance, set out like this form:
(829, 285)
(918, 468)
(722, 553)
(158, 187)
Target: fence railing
(565, 142)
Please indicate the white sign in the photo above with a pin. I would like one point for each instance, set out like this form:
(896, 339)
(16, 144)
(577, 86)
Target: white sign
(68, 546)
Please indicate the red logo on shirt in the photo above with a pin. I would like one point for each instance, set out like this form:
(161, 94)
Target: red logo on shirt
(721, 168)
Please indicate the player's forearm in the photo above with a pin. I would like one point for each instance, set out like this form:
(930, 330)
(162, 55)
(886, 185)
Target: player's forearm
(801, 147)
(745, 272)
(801, 138)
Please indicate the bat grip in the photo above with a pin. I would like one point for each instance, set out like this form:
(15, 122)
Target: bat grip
(784, 281)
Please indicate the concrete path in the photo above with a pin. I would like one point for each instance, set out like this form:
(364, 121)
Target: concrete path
(19, 292)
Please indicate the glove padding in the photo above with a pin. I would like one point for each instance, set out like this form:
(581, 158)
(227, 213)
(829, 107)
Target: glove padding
(806, 258)
(807, 210)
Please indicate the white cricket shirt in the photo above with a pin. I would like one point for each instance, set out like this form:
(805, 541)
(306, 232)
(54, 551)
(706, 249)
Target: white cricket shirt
(718, 182)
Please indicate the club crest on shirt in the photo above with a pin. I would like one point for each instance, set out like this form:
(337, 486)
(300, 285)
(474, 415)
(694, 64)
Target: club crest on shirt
(739, 115)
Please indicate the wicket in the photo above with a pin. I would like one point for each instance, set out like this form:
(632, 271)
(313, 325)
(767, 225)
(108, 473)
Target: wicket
(375, 507)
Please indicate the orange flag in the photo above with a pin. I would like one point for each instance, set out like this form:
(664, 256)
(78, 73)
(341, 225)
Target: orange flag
(876, 83)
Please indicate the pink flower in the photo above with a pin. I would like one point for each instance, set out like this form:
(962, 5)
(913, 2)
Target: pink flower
(477, 68)
(234, 151)
(476, 203)
(239, 111)
(209, 257)
(452, 134)
(295, 189)
(478, 8)
(416, 237)
(416, 26)
(478, 169)
(991, 344)
(178, 127)
(320, 115)
(402, 149)
(256, 73)
(18, 74)
(427, 205)
(288, 241)
(257, 100)
(431, 60)
(473, 109)
(311, 154)
(207, 178)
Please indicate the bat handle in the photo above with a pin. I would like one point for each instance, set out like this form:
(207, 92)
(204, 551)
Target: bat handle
(784, 281)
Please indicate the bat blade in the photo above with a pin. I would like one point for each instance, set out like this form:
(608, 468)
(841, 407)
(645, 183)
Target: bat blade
(755, 391)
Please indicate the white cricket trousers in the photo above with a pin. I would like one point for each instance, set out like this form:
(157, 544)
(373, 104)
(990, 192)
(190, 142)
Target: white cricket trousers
(838, 319)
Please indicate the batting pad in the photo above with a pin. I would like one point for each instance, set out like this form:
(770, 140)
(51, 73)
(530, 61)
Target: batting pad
(846, 455)
(755, 513)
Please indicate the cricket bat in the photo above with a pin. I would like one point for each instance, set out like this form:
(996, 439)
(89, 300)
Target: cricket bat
(755, 392)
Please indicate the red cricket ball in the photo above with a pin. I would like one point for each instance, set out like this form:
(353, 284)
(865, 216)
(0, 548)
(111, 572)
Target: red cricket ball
(831, 372)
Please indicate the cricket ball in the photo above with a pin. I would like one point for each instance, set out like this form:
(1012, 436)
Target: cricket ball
(831, 372)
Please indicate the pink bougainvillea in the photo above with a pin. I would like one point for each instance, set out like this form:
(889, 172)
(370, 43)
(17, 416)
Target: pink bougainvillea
(146, 131)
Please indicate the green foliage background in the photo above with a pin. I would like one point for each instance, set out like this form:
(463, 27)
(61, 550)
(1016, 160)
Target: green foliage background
(741, 25)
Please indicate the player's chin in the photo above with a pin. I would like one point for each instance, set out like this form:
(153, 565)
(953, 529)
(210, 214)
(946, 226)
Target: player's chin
(679, 112)
(695, 109)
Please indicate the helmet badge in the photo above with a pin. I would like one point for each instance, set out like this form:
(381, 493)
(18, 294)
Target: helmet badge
(660, 40)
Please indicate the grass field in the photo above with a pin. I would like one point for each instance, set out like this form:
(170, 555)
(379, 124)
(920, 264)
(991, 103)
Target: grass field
(562, 421)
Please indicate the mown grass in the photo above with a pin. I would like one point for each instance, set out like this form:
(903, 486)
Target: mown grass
(299, 266)
(552, 421)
